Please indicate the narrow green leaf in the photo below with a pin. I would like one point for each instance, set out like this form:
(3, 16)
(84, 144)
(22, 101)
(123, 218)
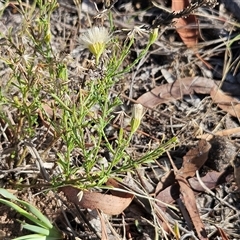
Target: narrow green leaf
(61, 102)
(37, 237)
(47, 224)
(7, 194)
(36, 229)
(31, 237)
(22, 212)
(53, 232)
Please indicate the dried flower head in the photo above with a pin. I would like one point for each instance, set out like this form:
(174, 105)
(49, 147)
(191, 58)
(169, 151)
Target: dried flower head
(140, 30)
(95, 40)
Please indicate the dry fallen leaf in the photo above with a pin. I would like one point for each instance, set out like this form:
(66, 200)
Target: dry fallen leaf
(189, 188)
(194, 159)
(171, 193)
(226, 102)
(109, 204)
(166, 180)
(210, 180)
(176, 90)
(189, 201)
(187, 86)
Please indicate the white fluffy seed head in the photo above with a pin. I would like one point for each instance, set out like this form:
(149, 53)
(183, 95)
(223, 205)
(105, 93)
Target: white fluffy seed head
(95, 39)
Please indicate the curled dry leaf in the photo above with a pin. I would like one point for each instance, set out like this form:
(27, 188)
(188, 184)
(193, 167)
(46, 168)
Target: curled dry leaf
(186, 27)
(109, 204)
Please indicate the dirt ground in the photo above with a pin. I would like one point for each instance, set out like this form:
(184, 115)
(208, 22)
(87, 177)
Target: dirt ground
(189, 118)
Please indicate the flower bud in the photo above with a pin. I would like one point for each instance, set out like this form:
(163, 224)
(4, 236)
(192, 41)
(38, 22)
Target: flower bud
(137, 115)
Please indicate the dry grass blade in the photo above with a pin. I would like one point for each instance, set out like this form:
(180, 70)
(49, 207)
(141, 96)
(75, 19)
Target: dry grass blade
(104, 235)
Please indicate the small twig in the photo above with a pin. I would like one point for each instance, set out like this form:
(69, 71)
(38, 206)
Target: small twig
(173, 164)
(138, 131)
(152, 109)
(33, 151)
(213, 194)
(225, 132)
(188, 235)
(83, 216)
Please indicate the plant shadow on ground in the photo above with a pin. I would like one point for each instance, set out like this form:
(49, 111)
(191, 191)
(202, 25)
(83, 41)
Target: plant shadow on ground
(67, 116)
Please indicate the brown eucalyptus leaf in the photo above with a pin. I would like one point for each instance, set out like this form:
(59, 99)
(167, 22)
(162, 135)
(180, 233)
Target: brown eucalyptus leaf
(226, 102)
(176, 90)
(189, 201)
(187, 86)
(166, 180)
(169, 194)
(210, 180)
(194, 159)
(109, 204)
